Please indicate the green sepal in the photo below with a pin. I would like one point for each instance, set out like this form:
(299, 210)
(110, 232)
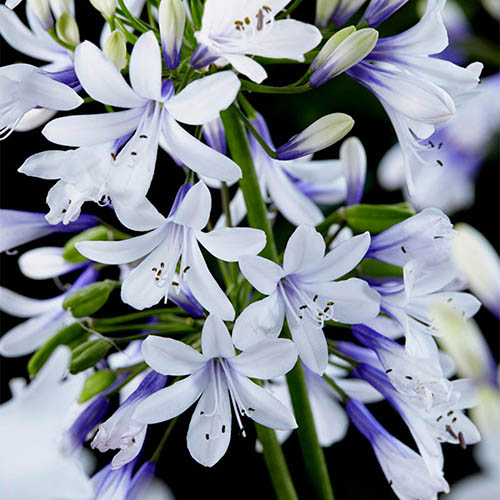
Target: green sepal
(98, 233)
(375, 269)
(95, 384)
(89, 299)
(376, 218)
(88, 354)
(70, 335)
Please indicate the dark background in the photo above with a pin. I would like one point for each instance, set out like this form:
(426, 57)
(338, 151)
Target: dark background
(354, 470)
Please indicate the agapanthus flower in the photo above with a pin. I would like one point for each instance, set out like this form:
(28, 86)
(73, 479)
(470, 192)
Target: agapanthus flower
(218, 378)
(305, 292)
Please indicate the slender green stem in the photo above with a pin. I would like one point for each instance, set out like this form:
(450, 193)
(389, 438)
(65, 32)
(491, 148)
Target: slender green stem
(275, 461)
(253, 131)
(142, 336)
(267, 89)
(240, 151)
(151, 17)
(138, 315)
(336, 388)
(290, 9)
(161, 444)
(143, 326)
(225, 198)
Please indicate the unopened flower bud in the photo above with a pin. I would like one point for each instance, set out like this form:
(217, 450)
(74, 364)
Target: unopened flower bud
(324, 11)
(60, 6)
(322, 133)
(105, 7)
(95, 384)
(41, 9)
(115, 49)
(88, 354)
(89, 299)
(379, 10)
(67, 29)
(172, 18)
(353, 159)
(98, 233)
(341, 53)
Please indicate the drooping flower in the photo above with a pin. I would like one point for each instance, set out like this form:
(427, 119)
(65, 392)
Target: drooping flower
(178, 240)
(305, 291)
(231, 32)
(417, 91)
(34, 463)
(218, 378)
(151, 109)
(404, 469)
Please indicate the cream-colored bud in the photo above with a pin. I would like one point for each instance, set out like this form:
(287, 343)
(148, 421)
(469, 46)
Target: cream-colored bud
(105, 7)
(67, 30)
(115, 49)
(41, 9)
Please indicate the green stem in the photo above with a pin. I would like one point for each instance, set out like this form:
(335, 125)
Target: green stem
(240, 151)
(290, 9)
(336, 388)
(267, 89)
(225, 198)
(161, 444)
(276, 464)
(253, 131)
(138, 315)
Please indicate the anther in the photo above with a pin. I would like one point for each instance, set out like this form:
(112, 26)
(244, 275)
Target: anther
(207, 436)
(143, 136)
(462, 440)
(330, 303)
(408, 377)
(388, 370)
(260, 20)
(303, 307)
(113, 156)
(174, 283)
(247, 20)
(133, 153)
(439, 418)
(439, 162)
(223, 429)
(186, 269)
(449, 413)
(440, 145)
(315, 298)
(403, 249)
(451, 432)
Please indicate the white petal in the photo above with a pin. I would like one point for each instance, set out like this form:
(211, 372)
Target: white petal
(202, 100)
(173, 400)
(215, 339)
(198, 156)
(311, 345)
(340, 260)
(259, 321)
(45, 262)
(24, 307)
(304, 249)
(204, 287)
(121, 252)
(101, 79)
(230, 244)
(142, 217)
(145, 67)
(171, 357)
(34, 118)
(247, 66)
(88, 130)
(209, 434)
(194, 209)
(266, 359)
(354, 301)
(262, 273)
(267, 410)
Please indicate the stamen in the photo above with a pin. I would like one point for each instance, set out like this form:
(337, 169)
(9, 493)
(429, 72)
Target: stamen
(462, 440)
(451, 432)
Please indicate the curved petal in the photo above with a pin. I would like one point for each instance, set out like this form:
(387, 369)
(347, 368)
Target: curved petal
(259, 321)
(304, 249)
(194, 210)
(88, 130)
(34, 118)
(261, 406)
(204, 287)
(266, 359)
(198, 156)
(46, 262)
(246, 66)
(209, 433)
(340, 260)
(263, 274)
(145, 67)
(171, 357)
(24, 307)
(215, 339)
(101, 79)
(231, 243)
(142, 217)
(121, 252)
(311, 345)
(202, 100)
(173, 400)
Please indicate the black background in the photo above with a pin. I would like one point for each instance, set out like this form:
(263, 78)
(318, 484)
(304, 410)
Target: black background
(354, 470)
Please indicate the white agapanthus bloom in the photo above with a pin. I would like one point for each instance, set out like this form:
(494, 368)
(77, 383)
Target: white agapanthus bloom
(305, 291)
(33, 465)
(219, 378)
(177, 239)
(416, 90)
(152, 109)
(232, 31)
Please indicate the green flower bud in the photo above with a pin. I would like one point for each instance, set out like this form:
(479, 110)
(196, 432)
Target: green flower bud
(376, 218)
(70, 336)
(376, 269)
(105, 7)
(115, 49)
(67, 30)
(331, 45)
(89, 299)
(95, 384)
(88, 354)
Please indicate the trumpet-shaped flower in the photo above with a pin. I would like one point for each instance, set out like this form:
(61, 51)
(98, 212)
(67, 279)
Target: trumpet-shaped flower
(218, 378)
(34, 463)
(231, 31)
(152, 109)
(379, 10)
(305, 291)
(405, 470)
(417, 91)
(178, 240)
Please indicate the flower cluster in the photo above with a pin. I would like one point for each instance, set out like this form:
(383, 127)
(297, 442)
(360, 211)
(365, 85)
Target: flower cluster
(250, 326)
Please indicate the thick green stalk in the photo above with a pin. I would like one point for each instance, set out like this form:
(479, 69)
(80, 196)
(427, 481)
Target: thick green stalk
(240, 151)
(257, 217)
